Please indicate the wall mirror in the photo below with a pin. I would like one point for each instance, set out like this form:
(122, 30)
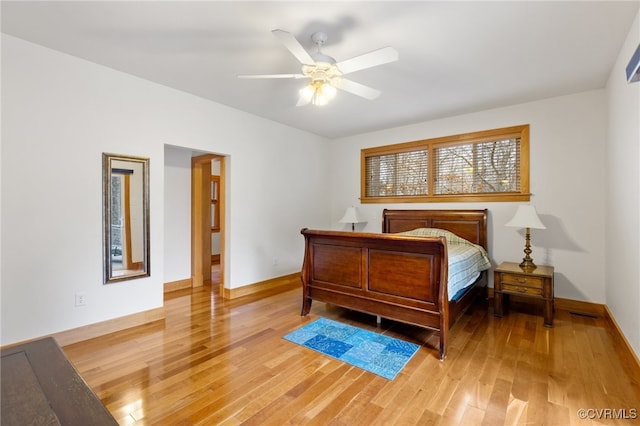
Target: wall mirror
(125, 215)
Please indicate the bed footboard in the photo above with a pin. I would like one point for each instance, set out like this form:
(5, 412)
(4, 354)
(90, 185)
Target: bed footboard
(402, 278)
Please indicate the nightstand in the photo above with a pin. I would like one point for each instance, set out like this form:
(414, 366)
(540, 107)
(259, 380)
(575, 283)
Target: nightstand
(509, 279)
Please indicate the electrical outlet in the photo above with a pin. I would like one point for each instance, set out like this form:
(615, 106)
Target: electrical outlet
(81, 299)
(275, 261)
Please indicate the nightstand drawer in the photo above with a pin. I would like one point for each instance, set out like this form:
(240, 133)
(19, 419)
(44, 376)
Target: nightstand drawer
(521, 280)
(521, 289)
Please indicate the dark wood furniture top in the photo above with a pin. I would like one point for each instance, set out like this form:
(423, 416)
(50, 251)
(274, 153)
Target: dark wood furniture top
(399, 277)
(40, 386)
(510, 279)
(468, 224)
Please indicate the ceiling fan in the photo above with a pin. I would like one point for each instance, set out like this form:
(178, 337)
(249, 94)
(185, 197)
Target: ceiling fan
(325, 74)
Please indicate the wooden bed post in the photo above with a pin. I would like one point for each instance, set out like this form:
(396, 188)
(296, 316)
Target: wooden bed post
(443, 301)
(304, 276)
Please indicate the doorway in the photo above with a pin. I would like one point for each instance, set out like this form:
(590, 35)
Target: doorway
(207, 220)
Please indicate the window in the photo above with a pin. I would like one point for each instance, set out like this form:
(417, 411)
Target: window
(491, 165)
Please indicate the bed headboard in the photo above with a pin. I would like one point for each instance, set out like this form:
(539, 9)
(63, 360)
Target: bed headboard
(469, 224)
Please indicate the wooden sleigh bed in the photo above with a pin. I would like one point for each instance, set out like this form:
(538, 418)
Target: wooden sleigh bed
(399, 277)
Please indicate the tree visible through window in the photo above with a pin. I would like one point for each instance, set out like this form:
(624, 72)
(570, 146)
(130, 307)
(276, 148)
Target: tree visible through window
(492, 165)
(403, 173)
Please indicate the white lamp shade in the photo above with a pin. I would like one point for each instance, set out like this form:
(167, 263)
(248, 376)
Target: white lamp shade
(351, 216)
(526, 217)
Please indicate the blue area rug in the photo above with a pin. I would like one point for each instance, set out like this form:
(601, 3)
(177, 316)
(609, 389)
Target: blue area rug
(373, 352)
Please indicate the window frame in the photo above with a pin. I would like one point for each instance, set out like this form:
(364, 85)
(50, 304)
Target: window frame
(521, 132)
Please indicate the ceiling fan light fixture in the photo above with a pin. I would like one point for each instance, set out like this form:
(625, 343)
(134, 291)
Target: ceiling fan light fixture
(325, 73)
(327, 91)
(318, 93)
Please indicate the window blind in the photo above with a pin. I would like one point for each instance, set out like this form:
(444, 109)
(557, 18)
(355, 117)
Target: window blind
(483, 167)
(398, 174)
(489, 165)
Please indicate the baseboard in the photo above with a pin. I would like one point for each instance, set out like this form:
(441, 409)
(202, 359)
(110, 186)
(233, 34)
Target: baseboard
(616, 327)
(178, 285)
(581, 307)
(283, 281)
(91, 331)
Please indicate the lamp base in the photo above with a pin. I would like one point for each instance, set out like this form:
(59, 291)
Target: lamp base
(527, 265)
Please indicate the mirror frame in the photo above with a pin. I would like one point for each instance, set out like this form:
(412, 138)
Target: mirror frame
(107, 173)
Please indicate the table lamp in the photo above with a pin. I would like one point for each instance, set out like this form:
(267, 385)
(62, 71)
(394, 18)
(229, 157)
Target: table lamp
(526, 217)
(351, 216)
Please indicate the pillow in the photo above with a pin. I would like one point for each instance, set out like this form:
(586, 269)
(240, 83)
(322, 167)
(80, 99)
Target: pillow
(436, 232)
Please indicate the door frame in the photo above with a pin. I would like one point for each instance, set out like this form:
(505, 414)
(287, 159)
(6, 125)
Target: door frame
(201, 220)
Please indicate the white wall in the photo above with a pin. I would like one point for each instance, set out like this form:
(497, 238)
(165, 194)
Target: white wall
(177, 214)
(60, 110)
(567, 146)
(623, 194)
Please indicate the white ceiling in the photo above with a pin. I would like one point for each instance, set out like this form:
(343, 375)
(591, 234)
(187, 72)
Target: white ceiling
(455, 57)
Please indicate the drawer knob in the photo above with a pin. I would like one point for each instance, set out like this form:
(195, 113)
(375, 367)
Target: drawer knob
(522, 280)
(522, 289)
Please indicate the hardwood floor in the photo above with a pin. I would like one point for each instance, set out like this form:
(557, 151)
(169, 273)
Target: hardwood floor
(217, 362)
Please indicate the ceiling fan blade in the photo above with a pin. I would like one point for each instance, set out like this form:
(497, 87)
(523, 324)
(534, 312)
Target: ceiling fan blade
(368, 60)
(272, 76)
(294, 46)
(356, 88)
